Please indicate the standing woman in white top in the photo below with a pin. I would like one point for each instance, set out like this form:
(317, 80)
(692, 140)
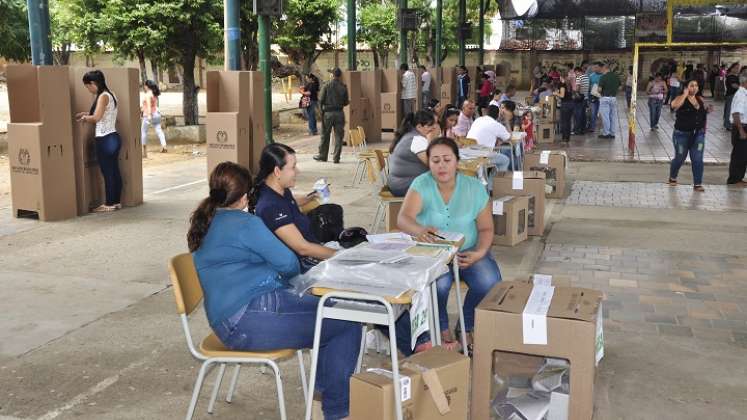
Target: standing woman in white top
(151, 116)
(103, 113)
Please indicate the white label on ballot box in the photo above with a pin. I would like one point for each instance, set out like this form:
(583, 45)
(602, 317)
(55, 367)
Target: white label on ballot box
(542, 280)
(534, 317)
(404, 381)
(498, 207)
(419, 315)
(599, 336)
(545, 157)
(518, 180)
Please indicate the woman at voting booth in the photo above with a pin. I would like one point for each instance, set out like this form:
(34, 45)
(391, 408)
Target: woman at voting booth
(273, 201)
(244, 271)
(444, 201)
(407, 157)
(103, 113)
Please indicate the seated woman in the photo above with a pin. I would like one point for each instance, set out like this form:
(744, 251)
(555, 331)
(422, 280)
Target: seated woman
(407, 153)
(448, 121)
(244, 271)
(272, 200)
(442, 199)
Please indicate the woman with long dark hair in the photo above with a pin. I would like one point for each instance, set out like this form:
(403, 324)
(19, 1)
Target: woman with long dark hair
(449, 119)
(689, 133)
(151, 116)
(244, 272)
(407, 157)
(103, 113)
(272, 200)
(310, 93)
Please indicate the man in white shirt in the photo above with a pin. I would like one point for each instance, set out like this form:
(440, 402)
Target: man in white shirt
(487, 131)
(738, 119)
(409, 90)
(425, 90)
(465, 119)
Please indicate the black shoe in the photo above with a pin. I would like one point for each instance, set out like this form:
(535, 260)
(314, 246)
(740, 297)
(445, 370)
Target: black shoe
(602, 136)
(319, 158)
(336, 161)
(611, 136)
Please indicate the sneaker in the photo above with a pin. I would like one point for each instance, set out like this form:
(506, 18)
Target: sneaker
(318, 158)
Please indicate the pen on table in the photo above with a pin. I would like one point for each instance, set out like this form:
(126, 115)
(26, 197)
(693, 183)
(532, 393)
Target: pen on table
(437, 235)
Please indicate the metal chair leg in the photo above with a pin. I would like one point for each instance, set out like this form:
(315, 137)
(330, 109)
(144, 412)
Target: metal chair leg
(395, 367)
(375, 222)
(463, 332)
(361, 350)
(197, 389)
(315, 356)
(302, 369)
(216, 387)
(279, 384)
(232, 388)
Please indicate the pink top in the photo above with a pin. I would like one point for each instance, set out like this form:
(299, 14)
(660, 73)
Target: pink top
(463, 125)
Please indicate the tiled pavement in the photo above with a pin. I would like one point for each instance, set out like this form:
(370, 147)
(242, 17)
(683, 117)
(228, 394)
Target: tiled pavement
(660, 293)
(657, 195)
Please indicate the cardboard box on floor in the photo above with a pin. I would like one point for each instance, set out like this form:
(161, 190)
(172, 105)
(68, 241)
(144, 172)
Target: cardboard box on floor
(40, 144)
(533, 185)
(510, 219)
(235, 118)
(554, 164)
(545, 132)
(499, 326)
(372, 395)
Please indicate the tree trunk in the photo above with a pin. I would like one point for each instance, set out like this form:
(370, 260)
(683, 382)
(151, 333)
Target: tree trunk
(189, 90)
(154, 70)
(376, 58)
(143, 70)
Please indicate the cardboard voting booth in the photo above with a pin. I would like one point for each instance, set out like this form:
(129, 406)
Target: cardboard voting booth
(390, 106)
(123, 82)
(363, 93)
(525, 365)
(40, 144)
(235, 118)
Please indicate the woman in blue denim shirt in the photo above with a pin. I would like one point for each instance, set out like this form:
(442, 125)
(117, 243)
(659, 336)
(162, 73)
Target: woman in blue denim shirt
(689, 134)
(244, 271)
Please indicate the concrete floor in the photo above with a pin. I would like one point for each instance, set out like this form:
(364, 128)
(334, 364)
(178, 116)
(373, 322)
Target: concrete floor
(90, 329)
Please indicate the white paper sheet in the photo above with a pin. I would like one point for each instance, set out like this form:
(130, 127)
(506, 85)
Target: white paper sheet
(558, 406)
(419, 315)
(542, 280)
(599, 336)
(534, 317)
(497, 207)
(386, 237)
(545, 157)
(404, 381)
(518, 180)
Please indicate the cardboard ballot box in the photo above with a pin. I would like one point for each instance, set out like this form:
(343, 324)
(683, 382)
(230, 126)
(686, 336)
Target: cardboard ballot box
(524, 361)
(554, 165)
(434, 383)
(40, 144)
(527, 183)
(545, 132)
(510, 218)
(235, 118)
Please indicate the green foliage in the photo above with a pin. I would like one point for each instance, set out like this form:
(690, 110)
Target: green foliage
(377, 27)
(249, 30)
(426, 38)
(308, 25)
(135, 28)
(14, 30)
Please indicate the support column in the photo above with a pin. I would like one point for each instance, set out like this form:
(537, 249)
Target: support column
(41, 46)
(670, 22)
(460, 25)
(439, 27)
(264, 67)
(633, 97)
(352, 49)
(481, 52)
(402, 36)
(232, 35)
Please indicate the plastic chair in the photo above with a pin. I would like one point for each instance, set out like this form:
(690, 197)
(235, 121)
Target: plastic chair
(188, 294)
(385, 195)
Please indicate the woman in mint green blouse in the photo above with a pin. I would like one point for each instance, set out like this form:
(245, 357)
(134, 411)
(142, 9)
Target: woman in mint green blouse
(442, 199)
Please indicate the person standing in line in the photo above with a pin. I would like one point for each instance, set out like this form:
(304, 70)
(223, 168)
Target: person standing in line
(629, 86)
(594, 77)
(655, 91)
(732, 85)
(581, 101)
(425, 90)
(738, 162)
(463, 81)
(409, 89)
(609, 84)
(712, 77)
(103, 113)
(689, 134)
(484, 95)
(310, 90)
(565, 95)
(333, 98)
(151, 116)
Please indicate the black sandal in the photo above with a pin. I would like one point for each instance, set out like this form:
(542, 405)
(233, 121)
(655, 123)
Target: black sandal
(672, 182)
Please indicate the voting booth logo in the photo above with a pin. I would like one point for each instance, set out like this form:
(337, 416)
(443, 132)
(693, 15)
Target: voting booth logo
(221, 136)
(24, 157)
(388, 109)
(24, 160)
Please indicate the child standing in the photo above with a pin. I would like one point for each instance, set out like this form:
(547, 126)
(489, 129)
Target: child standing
(527, 124)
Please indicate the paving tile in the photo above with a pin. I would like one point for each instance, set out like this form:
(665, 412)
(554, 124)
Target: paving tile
(740, 339)
(692, 322)
(711, 335)
(725, 324)
(655, 300)
(660, 319)
(623, 283)
(674, 330)
(704, 314)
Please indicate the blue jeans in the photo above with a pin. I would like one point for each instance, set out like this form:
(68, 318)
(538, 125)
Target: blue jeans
(311, 117)
(685, 142)
(579, 114)
(480, 276)
(654, 111)
(594, 113)
(628, 95)
(674, 91)
(107, 153)
(281, 319)
(608, 111)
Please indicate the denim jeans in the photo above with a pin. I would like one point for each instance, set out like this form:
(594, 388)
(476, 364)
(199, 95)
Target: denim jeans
(628, 95)
(727, 112)
(155, 122)
(311, 117)
(281, 319)
(107, 153)
(608, 111)
(654, 111)
(674, 91)
(566, 119)
(594, 113)
(579, 113)
(692, 142)
(480, 276)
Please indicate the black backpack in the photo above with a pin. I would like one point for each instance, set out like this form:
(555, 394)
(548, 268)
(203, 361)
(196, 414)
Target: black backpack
(326, 222)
